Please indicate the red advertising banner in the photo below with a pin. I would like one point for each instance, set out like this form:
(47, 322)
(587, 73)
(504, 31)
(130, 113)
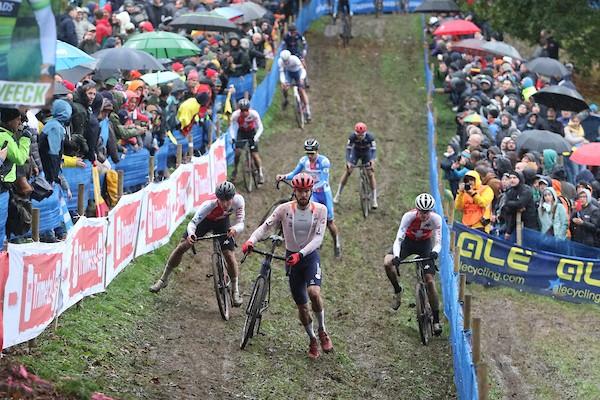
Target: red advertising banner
(202, 181)
(156, 218)
(218, 161)
(184, 196)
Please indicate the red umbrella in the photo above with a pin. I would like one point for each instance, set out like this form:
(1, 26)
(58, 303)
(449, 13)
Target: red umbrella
(456, 27)
(587, 154)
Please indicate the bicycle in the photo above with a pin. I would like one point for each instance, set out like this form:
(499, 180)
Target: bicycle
(346, 30)
(299, 108)
(251, 176)
(378, 7)
(261, 292)
(221, 280)
(422, 306)
(364, 189)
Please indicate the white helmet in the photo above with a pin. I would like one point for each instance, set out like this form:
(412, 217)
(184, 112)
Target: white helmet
(285, 55)
(425, 202)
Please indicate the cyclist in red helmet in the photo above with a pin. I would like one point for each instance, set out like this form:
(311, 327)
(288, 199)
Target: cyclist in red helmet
(304, 225)
(361, 146)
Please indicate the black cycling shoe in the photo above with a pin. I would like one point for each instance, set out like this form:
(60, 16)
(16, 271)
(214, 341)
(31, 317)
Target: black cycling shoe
(284, 105)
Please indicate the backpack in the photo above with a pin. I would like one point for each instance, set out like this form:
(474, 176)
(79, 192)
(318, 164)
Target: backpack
(19, 215)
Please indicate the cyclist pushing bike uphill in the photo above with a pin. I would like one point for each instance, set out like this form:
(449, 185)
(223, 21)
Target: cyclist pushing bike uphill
(213, 215)
(415, 237)
(304, 224)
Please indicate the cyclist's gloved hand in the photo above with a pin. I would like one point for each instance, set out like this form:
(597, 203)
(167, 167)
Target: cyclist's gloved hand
(433, 255)
(255, 138)
(396, 261)
(293, 259)
(247, 247)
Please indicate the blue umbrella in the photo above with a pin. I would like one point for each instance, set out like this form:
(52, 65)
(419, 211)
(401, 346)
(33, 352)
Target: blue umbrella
(68, 56)
(228, 12)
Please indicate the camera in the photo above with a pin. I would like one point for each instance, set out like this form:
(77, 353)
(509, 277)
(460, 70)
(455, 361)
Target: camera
(467, 187)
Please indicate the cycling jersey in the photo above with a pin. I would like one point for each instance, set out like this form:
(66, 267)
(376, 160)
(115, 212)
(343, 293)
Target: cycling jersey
(364, 148)
(212, 211)
(319, 170)
(294, 68)
(292, 42)
(251, 122)
(302, 229)
(417, 230)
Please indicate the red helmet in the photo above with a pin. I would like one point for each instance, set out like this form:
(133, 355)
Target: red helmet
(360, 127)
(303, 181)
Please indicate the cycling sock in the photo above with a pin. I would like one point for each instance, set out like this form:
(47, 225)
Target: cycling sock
(234, 282)
(340, 188)
(375, 194)
(397, 287)
(309, 329)
(165, 275)
(436, 316)
(308, 109)
(320, 316)
(337, 241)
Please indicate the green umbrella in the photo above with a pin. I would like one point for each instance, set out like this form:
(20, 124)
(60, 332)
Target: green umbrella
(162, 44)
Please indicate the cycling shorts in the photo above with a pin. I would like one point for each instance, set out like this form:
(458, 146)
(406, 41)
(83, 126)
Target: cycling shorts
(216, 227)
(294, 77)
(326, 199)
(307, 272)
(356, 156)
(422, 248)
(249, 135)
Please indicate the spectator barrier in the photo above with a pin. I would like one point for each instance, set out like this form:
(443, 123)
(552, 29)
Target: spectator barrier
(3, 215)
(42, 280)
(465, 378)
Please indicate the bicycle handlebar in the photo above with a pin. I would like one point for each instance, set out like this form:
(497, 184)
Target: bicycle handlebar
(264, 253)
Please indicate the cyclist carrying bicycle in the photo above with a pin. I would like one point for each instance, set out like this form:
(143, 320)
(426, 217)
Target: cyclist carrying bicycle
(414, 237)
(213, 215)
(291, 70)
(317, 166)
(304, 224)
(246, 125)
(361, 146)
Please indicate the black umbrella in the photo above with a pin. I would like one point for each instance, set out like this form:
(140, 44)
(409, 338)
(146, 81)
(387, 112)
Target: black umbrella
(125, 58)
(561, 98)
(204, 22)
(501, 49)
(547, 66)
(76, 73)
(540, 140)
(432, 6)
(60, 89)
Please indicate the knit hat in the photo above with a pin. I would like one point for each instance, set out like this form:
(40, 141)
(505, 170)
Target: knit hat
(193, 74)
(466, 153)
(177, 66)
(210, 72)
(8, 114)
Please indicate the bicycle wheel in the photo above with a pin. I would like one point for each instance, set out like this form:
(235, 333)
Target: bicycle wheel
(423, 313)
(298, 110)
(345, 31)
(266, 295)
(365, 193)
(248, 170)
(221, 285)
(253, 310)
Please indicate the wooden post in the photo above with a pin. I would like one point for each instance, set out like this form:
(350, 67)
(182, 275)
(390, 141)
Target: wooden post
(151, 169)
(178, 156)
(462, 284)
(519, 227)
(35, 224)
(120, 185)
(452, 240)
(451, 213)
(482, 370)
(456, 258)
(476, 340)
(81, 199)
(190, 147)
(467, 313)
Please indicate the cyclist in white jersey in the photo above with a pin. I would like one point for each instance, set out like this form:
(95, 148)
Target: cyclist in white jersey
(304, 224)
(291, 70)
(415, 237)
(213, 215)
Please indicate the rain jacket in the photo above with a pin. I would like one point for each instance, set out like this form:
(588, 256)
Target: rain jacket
(52, 138)
(553, 216)
(586, 233)
(476, 207)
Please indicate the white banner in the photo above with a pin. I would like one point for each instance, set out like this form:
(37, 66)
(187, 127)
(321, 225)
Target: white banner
(155, 218)
(83, 269)
(123, 227)
(32, 289)
(203, 188)
(218, 162)
(183, 200)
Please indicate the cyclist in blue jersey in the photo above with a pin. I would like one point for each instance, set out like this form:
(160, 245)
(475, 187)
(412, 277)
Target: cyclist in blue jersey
(317, 166)
(361, 146)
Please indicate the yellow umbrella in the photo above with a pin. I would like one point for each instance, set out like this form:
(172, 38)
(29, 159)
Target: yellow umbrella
(473, 119)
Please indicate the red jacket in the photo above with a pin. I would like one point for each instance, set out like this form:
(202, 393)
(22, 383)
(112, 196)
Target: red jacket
(103, 30)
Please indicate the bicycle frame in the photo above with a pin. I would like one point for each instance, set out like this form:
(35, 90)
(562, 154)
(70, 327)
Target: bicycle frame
(346, 30)
(250, 169)
(298, 107)
(364, 189)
